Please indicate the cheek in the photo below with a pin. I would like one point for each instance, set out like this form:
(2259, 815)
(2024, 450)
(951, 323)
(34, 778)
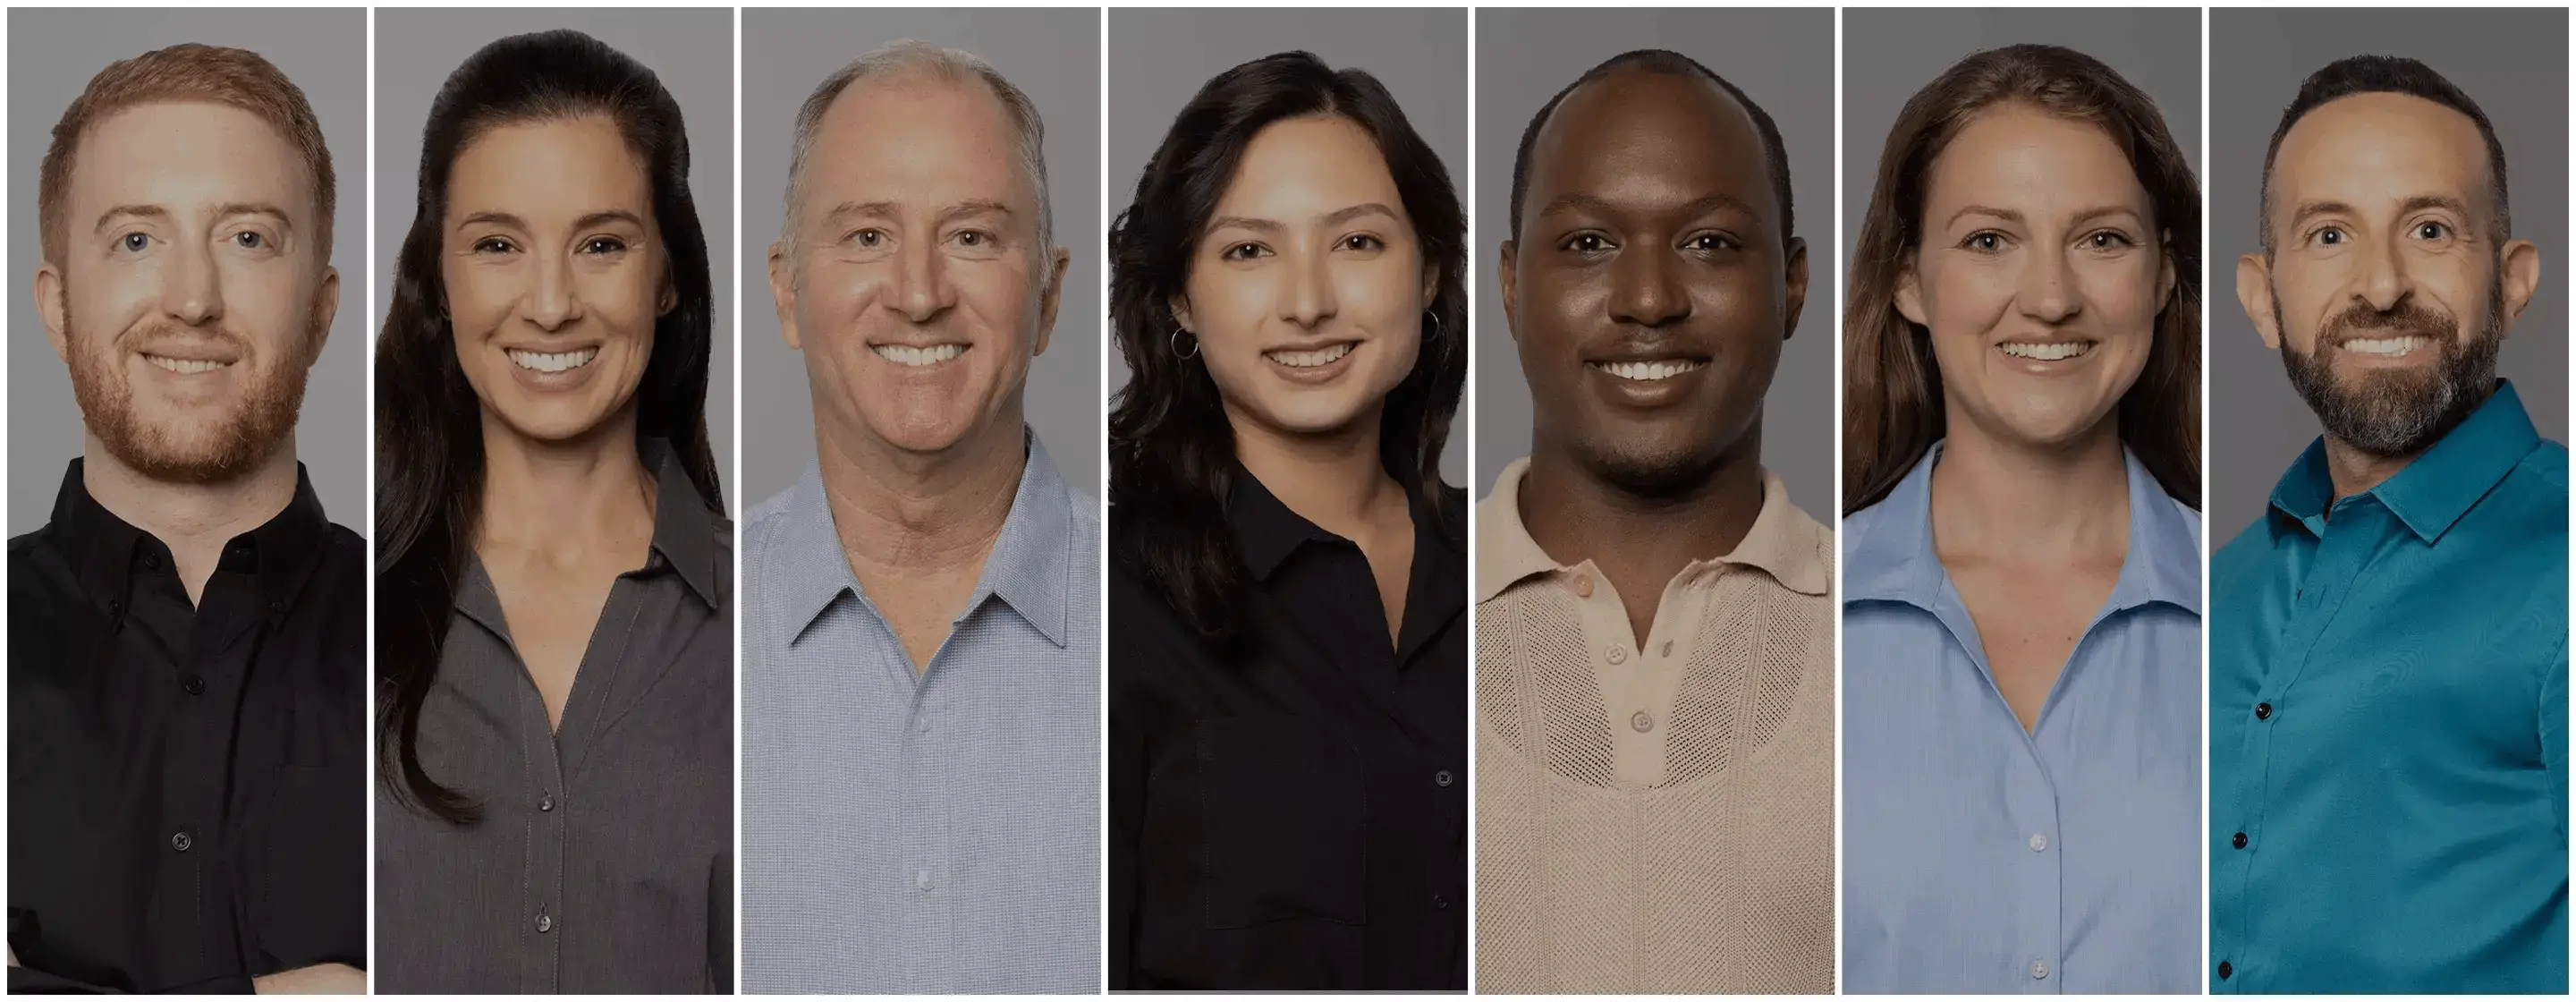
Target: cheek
(2124, 297)
(1226, 310)
(1964, 300)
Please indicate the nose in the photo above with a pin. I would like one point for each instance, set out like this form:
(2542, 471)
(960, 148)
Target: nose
(2047, 291)
(193, 290)
(1309, 300)
(1645, 290)
(921, 288)
(555, 303)
(2385, 280)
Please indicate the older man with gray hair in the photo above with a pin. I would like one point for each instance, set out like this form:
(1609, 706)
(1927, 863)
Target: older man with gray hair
(921, 615)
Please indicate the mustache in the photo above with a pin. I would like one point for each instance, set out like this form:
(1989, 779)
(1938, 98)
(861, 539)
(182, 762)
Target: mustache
(164, 332)
(2408, 317)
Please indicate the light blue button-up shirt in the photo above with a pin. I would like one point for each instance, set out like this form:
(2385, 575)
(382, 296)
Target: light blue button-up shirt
(1979, 858)
(2388, 725)
(929, 835)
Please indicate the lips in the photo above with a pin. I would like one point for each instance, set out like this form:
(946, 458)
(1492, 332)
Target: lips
(1310, 358)
(185, 366)
(1648, 370)
(2047, 351)
(552, 361)
(919, 356)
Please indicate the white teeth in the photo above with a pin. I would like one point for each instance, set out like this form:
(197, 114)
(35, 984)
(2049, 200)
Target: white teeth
(1648, 371)
(907, 355)
(2048, 351)
(2387, 345)
(186, 366)
(559, 361)
(1311, 359)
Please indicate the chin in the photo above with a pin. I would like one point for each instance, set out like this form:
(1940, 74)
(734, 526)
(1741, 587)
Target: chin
(549, 424)
(923, 433)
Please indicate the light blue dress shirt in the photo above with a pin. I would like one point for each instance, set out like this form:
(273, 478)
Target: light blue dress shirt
(1980, 858)
(930, 835)
(2388, 725)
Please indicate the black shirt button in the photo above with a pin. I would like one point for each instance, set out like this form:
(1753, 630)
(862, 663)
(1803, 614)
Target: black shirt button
(277, 608)
(546, 802)
(194, 684)
(182, 841)
(1440, 902)
(1443, 778)
(151, 561)
(2262, 711)
(2239, 840)
(545, 922)
(2225, 969)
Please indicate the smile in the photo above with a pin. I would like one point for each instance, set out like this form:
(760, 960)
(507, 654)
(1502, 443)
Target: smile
(904, 354)
(1648, 371)
(186, 366)
(2047, 351)
(554, 361)
(2389, 346)
(1311, 359)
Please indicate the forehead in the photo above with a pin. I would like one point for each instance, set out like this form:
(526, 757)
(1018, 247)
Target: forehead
(182, 154)
(915, 136)
(1312, 162)
(2379, 148)
(1637, 132)
(564, 164)
(2014, 155)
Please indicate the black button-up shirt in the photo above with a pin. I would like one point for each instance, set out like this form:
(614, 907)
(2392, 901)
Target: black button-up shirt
(1294, 821)
(602, 863)
(187, 784)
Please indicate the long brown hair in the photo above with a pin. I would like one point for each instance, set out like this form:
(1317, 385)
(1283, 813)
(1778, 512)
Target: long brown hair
(1892, 403)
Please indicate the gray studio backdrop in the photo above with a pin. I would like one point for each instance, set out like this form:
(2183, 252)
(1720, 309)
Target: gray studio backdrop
(1054, 55)
(2514, 64)
(1158, 60)
(52, 55)
(1784, 61)
(690, 50)
(1890, 54)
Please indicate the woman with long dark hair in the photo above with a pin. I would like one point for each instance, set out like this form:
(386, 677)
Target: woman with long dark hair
(2021, 758)
(1288, 650)
(553, 596)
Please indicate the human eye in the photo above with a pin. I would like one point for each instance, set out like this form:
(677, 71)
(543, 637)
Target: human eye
(603, 245)
(869, 238)
(1710, 242)
(1985, 242)
(1244, 251)
(1587, 242)
(494, 246)
(2329, 236)
(134, 243)
(1364, 242)
(2432, 230)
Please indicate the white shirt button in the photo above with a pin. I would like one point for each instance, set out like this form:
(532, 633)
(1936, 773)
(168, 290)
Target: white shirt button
(2038, 843)
(921, 879)
(1618, 654)
(2039, 969)
(921, 723)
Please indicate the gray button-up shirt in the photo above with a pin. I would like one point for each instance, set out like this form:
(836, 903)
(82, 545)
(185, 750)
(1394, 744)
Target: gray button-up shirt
(591, 869)
(930, 834)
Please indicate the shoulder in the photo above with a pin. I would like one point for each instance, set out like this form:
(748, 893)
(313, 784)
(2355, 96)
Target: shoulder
(764, 522)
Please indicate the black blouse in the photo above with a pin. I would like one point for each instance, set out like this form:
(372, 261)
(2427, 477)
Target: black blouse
(1297, 820)
(187, 781)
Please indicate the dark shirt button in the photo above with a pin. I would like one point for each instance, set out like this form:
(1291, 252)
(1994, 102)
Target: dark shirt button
(546, 802)
(151, 561)
(545, 922)
(182, 841)
(1440, 902)
(2225, 969)
(1443, 778)
(115, 607)
(194, 684)
(2262, 711)
(2239, 840)
(277, 608)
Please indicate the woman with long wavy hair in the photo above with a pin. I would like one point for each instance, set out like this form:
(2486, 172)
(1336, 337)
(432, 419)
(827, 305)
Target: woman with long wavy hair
(1287, 598)
(553, 598)
(2021, 470)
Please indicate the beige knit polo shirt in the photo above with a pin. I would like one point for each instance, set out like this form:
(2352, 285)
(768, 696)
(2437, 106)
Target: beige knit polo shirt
(1656, 820)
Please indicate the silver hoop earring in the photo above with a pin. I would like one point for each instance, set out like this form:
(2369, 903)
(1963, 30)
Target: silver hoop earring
(1435, 325)
(1175, 339)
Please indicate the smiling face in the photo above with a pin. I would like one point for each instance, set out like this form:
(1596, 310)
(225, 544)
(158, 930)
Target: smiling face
(912, 275)
(1307, 290)
(1649, 288)
(2040, 275)
(555, 274)
(192, 299)
(2386, 290)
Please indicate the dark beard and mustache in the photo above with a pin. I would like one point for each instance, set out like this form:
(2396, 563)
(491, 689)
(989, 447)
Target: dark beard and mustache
(2399, 413)
(237, 443)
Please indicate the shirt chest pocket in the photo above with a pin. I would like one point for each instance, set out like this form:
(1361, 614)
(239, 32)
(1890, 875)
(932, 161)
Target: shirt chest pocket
(1284, 812)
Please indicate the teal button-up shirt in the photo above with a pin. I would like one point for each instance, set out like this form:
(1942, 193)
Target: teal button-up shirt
(2388, 725)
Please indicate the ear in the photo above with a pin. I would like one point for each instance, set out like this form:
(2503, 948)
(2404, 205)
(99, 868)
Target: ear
(670, 297)
(326, 308)
(1180, 307)
(1430, 285)
(1051, 297)
(2254, 293)
(2521, 278)
(50, 306)
(2165, 276)
(1909, 296)
(1795, 301)
(782, 292)
(1505, 264)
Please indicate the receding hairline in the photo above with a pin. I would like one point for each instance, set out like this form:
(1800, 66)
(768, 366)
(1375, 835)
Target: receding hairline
(920, 67)
(2484, 185)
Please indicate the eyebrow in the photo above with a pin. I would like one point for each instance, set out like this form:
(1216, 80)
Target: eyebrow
(2422, 202)
(593, 219)
(2007, 215)
(2320, 208)
(223, 211)
(1334, 218)
(1587, 202)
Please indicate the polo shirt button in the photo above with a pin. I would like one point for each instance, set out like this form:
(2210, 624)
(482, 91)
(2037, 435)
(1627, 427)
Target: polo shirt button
(1668, 648)
(194, 685)
(2239, 840)
(1618, 654)
(2262, 711)
(182, 841)
(1641, 722)
(2039, 969)
(1583, 586)
(1443, 778)
(2225, 969)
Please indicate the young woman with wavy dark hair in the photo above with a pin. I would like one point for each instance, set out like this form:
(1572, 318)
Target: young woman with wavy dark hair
(1287, 600)
(553, 597)
(2021, 618)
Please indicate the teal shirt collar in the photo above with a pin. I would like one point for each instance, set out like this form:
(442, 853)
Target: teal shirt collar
(2441, 485)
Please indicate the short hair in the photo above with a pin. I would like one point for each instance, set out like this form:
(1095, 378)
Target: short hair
(2354, 75)
(1666, 63)
(914, 58)
(235, 78)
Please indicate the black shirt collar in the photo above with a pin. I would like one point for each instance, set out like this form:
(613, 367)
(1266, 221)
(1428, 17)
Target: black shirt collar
(104, 549)
(1266, 531)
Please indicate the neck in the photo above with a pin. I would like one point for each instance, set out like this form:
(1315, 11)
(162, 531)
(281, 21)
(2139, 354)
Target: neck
(922, 511)
(1573, 514)
(568, 497)
(1336, 480)
(2006, 499)
(194, 520)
